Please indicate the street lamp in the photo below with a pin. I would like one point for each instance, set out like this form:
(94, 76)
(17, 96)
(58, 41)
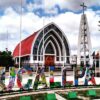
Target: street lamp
(99, 51)
(20, 34)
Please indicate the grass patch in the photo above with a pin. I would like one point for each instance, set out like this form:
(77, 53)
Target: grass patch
(66, 97)
(33, 97)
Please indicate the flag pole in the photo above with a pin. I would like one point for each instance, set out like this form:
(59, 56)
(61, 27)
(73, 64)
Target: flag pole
(43, 37)
(20, 34)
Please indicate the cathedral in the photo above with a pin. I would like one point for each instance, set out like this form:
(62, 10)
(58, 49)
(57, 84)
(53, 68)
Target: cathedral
(48, 46)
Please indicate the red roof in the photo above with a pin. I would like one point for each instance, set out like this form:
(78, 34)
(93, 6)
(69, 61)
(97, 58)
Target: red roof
(26, 45)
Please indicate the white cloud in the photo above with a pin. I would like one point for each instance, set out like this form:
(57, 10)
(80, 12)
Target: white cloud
(9, 3)
(48, 5)
(53, 11)
(53, 6)
(70, 4)
(33, 6)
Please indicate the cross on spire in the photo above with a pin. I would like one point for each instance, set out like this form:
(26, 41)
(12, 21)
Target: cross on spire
(83, 6)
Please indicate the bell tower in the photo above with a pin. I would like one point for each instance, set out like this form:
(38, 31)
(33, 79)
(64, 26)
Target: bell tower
(84, 42)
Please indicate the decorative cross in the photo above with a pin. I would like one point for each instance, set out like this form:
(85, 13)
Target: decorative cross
(84, 6)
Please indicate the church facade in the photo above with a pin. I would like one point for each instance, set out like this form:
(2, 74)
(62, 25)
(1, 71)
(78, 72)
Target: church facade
(48, 46)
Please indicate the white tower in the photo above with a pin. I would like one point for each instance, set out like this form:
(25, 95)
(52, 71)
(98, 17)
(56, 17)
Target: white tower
(84, 42)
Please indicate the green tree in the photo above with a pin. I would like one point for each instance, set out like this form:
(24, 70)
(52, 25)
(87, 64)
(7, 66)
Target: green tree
(6, 59)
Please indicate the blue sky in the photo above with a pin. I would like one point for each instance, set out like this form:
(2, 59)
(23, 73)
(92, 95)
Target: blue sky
(62, 12)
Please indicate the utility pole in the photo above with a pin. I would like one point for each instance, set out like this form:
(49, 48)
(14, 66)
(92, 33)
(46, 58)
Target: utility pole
(20, 34)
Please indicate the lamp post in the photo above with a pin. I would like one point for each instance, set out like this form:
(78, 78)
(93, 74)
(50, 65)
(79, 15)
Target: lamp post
(99, 51)
(20, 34)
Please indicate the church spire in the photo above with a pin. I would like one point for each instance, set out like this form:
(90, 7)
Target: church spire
(84, 43)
